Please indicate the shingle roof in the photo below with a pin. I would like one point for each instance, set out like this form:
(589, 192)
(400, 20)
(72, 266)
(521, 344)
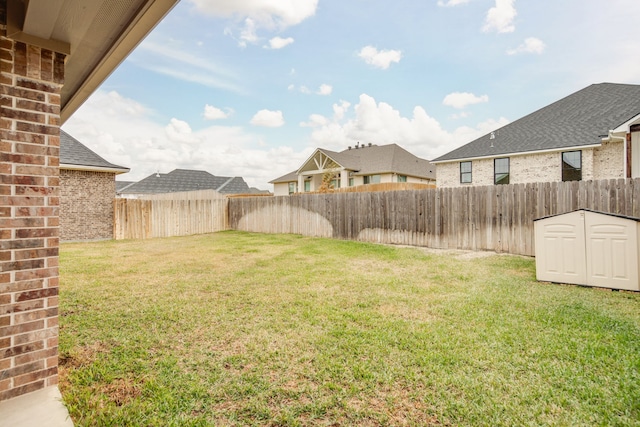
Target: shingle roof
(187, 180)
(73, 152)
(375, 159)
(121, 185)
(579, 119)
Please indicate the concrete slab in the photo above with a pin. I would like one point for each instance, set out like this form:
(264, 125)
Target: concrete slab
(39, 408)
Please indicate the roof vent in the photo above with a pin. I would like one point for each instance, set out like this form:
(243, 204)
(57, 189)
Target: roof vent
(349, 147)
(370, 144)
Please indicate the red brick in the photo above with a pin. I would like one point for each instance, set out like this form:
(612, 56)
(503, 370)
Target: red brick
(21, 222)
(5, 321)
(35, 232)
(22, 244)
(20, 59)
(5, 342)
(28, 264)
(22, 286)
(37, 128)
(6, 255)
(21, 306)
(42, 273)
(36, 170)
(21, 328)
(23, 190)
(22, 93)
(40, 335)
(30, 378)
(24, 201)
(4, 384)
(21, 179)
(26, 116)
(38, 355)
(21, 349)
(36, 253)
(29, 316)
(36, 294)
(46, 71)
(19, 391)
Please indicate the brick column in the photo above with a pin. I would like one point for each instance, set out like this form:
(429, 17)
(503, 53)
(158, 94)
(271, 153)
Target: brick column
(30, 82)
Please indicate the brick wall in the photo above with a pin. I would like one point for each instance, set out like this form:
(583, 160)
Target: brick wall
(86, 205)
(601, 163)
(30, 83)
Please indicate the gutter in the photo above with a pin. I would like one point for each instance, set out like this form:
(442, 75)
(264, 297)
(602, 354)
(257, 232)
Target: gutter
(624, 151)
(70, 167)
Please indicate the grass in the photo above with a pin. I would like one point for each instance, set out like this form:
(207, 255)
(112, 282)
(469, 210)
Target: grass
(281, 330)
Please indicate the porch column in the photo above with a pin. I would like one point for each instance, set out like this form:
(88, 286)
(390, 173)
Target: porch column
(30, 82)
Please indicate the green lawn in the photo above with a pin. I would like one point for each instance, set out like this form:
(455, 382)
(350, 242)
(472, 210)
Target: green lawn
(250, 329)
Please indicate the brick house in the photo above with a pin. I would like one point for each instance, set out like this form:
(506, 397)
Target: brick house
(591, 134)
(53, 55)
(87, 190)
(359, 165)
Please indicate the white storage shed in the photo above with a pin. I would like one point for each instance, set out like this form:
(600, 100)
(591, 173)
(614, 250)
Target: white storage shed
(589, 248)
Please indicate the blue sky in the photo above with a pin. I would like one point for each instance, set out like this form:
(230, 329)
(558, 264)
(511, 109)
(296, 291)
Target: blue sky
(251, 87)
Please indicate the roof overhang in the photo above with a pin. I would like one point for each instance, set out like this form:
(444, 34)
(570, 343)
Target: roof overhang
(97, 35)
(523, 153)
(116, 171)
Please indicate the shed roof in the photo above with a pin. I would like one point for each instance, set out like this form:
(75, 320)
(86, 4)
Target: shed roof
(580, 119)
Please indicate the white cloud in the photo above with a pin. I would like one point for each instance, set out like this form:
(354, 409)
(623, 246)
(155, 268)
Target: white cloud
(379, 58)
(279, 42)
(268, 118)
(271, 15)
(379, 123)
(178, 63)
(530, 45)
(214, 113)
(500, 17)
(315, 120)
(450, 3)
(123, 132)
(325, 89)
(463, 99)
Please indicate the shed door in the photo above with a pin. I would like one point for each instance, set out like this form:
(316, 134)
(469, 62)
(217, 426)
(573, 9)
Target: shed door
(612, 252)
(561, 255)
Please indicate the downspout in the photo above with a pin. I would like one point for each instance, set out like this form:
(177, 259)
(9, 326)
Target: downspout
(624, 150)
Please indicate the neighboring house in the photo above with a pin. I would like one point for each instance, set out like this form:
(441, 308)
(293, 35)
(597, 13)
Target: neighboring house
(591, 134)
(184, 180)
(87, 190)
(362, 164)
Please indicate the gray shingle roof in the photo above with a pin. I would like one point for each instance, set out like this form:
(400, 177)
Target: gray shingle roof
(579, 119)
(375, 159)
(121, 185)
(73, 152)
(187, 180)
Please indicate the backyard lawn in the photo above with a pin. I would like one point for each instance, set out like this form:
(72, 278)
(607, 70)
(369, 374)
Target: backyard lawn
(281, 330)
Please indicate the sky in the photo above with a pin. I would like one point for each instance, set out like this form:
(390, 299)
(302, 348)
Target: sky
(251, 88)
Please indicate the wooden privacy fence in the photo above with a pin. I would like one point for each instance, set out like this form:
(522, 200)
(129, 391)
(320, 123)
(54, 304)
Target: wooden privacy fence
(497, 218)
(143, 219)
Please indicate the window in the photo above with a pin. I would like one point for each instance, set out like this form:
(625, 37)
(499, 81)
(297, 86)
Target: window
(335, 183)
(501, 171)
(402, 178)
(572, 166)
(465, 172)
(293, 186)
(351, 182)
(372, 179)
(307, 185)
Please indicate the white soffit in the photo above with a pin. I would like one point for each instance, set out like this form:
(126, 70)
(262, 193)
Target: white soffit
(97, 35)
